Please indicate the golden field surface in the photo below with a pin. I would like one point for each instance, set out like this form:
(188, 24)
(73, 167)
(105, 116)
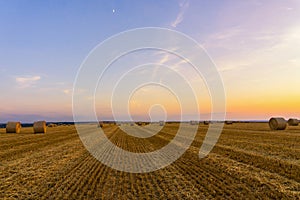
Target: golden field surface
(249, 162)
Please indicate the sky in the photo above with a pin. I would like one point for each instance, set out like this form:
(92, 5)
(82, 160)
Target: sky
(254, 45)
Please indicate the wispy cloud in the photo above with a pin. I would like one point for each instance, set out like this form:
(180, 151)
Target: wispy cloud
(161, 61)
(227, 34)
(27, 81)
(67, 91)
(233, 66)
(288, 8)
(183, 7)
(225, 38)
(164, 59)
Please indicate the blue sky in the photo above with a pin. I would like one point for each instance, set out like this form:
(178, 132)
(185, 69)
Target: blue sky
(255, 45)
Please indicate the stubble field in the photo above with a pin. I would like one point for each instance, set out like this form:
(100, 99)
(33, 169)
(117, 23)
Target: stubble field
(248, 162)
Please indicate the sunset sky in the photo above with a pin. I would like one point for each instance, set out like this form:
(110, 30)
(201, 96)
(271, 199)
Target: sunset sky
(255, 46)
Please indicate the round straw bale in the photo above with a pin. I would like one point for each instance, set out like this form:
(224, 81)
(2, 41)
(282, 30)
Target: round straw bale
(277, 123)
(206, 122)
(52, 125)
(39, 127)
(228, 122)
(100, 124)
(293, 122)
(13, 127)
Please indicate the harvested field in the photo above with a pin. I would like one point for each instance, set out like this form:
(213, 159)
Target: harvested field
(249, 161)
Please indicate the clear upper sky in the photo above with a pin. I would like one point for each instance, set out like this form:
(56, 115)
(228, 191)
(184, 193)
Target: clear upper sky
(254, 44)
